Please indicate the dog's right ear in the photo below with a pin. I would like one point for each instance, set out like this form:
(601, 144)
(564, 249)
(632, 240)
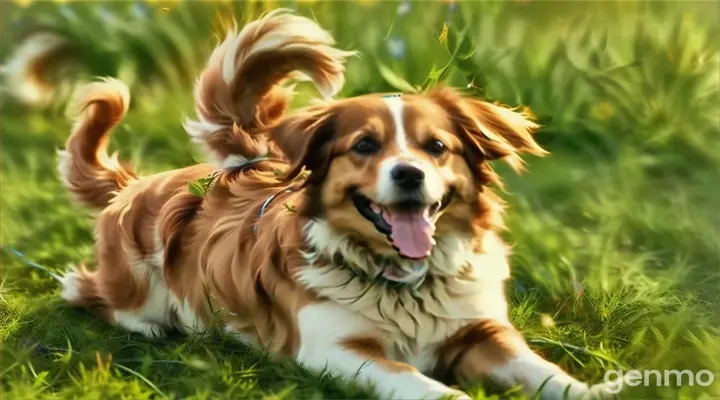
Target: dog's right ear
(305, 138)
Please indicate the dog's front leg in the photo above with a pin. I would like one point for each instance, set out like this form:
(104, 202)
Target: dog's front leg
(349, 346)
(495, 350)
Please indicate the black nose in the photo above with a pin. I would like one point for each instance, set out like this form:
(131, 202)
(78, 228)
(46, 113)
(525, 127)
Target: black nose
(407, 176)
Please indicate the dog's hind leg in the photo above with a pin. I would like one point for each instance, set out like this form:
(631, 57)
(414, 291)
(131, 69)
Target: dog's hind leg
(137, 303)
(125, 287)
(152, 317)
(80, 289)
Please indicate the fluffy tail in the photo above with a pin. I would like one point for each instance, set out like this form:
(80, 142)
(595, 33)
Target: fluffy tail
(87, 171)
(25, 75)
(241, 89)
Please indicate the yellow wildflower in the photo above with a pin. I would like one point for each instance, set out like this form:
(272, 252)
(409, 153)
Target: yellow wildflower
(444, 33)
(603, 110)
(23, 3)
(547, 320)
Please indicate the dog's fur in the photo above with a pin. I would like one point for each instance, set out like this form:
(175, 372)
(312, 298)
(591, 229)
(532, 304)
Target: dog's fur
(277, 253)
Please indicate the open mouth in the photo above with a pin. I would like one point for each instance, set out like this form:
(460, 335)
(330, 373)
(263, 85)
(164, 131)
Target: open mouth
(409, 226)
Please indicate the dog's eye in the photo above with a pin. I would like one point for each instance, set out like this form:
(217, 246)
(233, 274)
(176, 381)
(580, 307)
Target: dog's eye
(435, 147)
(366, 146)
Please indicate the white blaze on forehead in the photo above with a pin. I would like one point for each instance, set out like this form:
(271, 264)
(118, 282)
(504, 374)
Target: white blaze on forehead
(387, 192)
(395, 105)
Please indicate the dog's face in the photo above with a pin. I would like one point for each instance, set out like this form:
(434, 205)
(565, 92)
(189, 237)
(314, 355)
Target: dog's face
(394, 172)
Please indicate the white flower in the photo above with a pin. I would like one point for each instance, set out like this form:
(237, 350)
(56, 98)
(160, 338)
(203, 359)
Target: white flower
(105, 15)
(404, 7)
(140, 10)
(68, 12)
(396, 47)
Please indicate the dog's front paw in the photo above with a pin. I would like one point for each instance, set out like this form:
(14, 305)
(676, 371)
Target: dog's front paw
(601, 391)
(149, 330)
(582, 391)
(447, 394)
(429, 390)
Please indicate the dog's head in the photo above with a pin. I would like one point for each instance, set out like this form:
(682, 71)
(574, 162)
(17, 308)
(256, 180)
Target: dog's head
(396, 172)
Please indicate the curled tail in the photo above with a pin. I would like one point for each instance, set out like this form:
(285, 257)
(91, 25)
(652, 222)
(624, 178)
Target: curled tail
(26, 74)
(87, 171)
(241, 89)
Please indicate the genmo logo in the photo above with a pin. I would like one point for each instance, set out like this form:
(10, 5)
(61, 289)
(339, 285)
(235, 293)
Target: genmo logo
(615, 379)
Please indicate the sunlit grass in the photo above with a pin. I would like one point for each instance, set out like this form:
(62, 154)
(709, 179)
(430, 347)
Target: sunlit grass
(616, 234)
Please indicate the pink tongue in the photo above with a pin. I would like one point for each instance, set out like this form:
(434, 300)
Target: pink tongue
(412, 233)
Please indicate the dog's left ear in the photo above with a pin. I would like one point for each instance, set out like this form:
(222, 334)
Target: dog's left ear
(490, 132)
(305, 138)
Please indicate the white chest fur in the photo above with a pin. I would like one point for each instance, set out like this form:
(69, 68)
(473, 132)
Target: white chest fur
(413, 323)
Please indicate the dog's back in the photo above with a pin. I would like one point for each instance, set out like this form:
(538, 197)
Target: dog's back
(143, 220)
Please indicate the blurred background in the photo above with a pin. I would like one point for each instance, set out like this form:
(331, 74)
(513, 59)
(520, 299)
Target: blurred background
(616, 233)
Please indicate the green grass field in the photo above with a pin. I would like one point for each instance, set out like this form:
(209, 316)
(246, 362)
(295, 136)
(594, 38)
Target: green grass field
(616, 234)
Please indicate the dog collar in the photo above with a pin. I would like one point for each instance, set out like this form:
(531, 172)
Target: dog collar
(251, 162)
(266, 203)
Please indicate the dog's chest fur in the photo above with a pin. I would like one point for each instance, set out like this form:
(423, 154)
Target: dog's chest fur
(413, 322)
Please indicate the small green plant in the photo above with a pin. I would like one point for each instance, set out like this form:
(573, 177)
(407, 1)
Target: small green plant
(201, 187)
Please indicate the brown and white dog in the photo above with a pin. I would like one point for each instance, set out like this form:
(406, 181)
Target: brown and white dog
(357, 234)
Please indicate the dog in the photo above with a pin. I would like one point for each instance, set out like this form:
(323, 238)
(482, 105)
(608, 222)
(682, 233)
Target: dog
(358, 234)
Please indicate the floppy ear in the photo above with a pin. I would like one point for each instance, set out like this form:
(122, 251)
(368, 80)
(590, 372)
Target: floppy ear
(305, 139)
(491, 132)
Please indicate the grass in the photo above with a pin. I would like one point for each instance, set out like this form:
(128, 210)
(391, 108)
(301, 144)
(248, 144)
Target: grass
(616, 234)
